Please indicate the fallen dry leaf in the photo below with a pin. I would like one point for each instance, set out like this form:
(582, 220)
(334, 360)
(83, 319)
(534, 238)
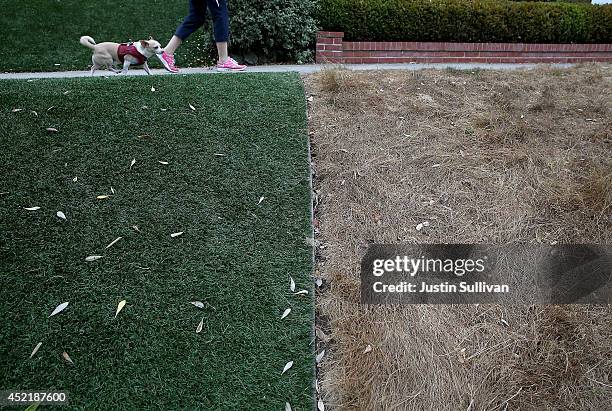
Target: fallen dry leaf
(192, 107)
(135, 227)
(367, 349)
(34, 112)
(51, 129)
(112, 190)
(321, 335)
(114, 242)
(291, 284)
(152, 88)
(301, 292)
(162, 162)
(74, 180)
(318, 282)
(67, 357)
(35, 350)
(16, 110)
(287, 366)
(199, 329)
(287, 406)
(59, 309)
(61, 215)
(320, 405)
(132, 163)
(260, 200)
(176, 234)
(320, 356)
(34, 406)
(102, 197)
(93, 258)
(198, 304)
(286, 313)
(32, 208)
(420, 226)
(120, 307)
(461, 358)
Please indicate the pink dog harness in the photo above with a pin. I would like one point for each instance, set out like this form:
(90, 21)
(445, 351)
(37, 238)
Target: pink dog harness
(131, 50)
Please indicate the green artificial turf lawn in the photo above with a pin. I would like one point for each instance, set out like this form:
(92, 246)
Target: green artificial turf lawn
(38, 34)
(246, 139)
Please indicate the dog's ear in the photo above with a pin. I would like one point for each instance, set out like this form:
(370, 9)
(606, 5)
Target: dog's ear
(150, 37)
(144, 43)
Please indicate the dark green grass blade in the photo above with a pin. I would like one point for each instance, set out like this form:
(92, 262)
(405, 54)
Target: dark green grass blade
(235, 254)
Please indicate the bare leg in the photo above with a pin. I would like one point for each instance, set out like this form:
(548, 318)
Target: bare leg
(172, 45)
(222, 52)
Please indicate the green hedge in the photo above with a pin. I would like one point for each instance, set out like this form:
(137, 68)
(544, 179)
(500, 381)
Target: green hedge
(558, 1)
(268, 30)
(467, 21)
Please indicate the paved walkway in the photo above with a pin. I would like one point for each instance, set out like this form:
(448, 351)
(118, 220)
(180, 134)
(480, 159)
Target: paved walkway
(304, 69)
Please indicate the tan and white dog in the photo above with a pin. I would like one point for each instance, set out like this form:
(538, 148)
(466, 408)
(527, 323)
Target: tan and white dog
(109, 54)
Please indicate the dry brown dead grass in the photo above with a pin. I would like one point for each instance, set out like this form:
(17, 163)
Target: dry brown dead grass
(486, 157)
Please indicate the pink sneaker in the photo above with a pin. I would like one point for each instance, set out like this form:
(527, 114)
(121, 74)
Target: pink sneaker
(168, 62)
(230, 65)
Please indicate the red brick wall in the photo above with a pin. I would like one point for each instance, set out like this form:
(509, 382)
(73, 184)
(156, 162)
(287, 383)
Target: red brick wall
(331, 48)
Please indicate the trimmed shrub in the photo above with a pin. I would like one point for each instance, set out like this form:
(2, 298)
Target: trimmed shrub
(467, 21)
(268, 30)
(559, 1)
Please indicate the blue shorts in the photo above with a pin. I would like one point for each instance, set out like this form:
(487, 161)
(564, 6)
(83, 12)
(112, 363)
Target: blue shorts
(197, 16)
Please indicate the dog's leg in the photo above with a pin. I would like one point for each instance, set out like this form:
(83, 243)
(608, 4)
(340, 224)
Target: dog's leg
(126, 66)
(94, 65)
(146, 68)
(114, 70)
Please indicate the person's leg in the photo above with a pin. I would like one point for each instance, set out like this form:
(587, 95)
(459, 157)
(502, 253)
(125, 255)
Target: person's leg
(194, 20)
(222, 51)
(220, 17)
(173, 44)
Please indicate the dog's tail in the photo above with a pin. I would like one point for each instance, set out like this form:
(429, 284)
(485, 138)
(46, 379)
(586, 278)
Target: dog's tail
(87, 42)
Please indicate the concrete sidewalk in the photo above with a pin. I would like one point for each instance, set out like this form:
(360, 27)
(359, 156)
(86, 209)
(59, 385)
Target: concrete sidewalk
(304, 69)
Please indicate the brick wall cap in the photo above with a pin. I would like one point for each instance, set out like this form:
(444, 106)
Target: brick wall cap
(330, 34)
